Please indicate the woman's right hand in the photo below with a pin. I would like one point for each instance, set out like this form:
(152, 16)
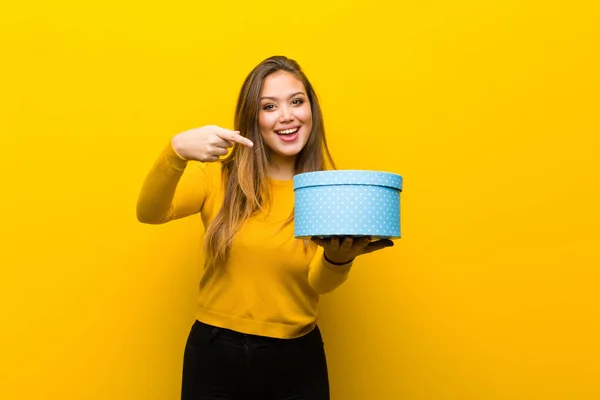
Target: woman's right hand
(207, 144)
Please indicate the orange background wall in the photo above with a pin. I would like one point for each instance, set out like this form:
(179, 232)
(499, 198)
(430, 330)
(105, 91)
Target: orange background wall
(488, 109)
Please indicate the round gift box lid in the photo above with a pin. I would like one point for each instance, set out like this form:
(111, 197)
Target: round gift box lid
(348, 177)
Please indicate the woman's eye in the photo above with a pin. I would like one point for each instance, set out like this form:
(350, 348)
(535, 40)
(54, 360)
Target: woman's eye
(297, 101)
(268, 107)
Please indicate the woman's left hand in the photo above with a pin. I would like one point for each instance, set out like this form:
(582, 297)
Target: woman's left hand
(342, 250)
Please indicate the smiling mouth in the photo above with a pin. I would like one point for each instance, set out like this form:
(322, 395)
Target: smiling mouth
(287, 131)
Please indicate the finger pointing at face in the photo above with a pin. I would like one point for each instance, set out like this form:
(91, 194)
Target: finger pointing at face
(234, 136)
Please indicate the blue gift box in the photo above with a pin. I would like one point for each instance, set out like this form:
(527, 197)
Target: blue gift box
(347, 203)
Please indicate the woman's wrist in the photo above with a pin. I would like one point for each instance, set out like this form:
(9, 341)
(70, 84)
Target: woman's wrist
(336, 262)
(175, 146)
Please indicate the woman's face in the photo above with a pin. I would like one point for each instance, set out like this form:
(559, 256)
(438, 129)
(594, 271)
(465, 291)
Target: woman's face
(285, 116)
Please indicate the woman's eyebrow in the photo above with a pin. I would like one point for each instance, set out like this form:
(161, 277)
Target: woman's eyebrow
(275, 98)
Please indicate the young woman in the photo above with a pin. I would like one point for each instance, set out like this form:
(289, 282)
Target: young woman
(255, 334)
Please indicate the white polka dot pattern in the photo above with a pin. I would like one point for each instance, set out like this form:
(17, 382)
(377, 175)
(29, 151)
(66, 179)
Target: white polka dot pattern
(347, 202)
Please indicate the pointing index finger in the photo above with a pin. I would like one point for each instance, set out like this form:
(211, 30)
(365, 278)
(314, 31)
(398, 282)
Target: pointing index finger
(234, 136)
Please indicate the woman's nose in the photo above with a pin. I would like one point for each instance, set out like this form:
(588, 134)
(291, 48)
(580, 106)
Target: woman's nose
(285, 114)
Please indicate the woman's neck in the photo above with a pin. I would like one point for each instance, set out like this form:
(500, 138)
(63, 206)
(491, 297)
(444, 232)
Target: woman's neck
(282, 168)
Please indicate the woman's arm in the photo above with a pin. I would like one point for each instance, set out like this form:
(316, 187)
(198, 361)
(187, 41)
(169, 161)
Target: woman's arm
(323, 276)
(334, 257)
(174, 188)
(178, 184)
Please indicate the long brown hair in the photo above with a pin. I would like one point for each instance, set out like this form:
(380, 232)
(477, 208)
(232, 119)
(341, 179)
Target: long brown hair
(245, 170)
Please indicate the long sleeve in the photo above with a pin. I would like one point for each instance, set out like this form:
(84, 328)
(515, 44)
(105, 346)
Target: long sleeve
(323, 276)
(174, 188)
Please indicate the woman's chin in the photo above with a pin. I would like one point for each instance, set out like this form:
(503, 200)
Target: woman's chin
(288, 151)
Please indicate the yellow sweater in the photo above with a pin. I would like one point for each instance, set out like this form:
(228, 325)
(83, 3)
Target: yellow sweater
(270, 285)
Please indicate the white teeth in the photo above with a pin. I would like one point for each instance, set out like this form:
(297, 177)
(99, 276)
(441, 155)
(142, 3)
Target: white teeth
(287, 131)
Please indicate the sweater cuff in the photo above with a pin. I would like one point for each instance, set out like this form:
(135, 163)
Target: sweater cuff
(338, 268)
(174, 159)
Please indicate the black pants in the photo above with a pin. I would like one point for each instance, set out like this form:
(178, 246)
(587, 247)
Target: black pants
(223, 364)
